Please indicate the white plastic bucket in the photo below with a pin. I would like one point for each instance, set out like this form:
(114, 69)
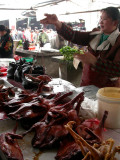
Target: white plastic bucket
(109, 100)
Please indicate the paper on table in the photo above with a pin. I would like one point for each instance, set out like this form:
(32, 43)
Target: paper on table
(76, 62)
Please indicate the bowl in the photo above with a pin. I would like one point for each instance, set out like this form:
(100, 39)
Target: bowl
(109, 100)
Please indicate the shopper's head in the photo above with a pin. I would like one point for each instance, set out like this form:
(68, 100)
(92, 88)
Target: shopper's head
(109, 19)
(3, 30)
(41, 30)
(19, 29)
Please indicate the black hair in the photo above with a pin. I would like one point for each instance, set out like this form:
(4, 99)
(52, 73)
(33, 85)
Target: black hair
(3, 28)
(112, 12)
(19, 29)
(41, 30)
(8, 30)
(69, 24)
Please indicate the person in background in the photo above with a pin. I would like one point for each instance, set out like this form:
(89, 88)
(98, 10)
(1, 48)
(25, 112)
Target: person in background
(35, 36)
(28, 34)
(23, 33)
(50, 34)
(19, 34)
(32, 36)
(43, 37)
(101, 63)
(57, 42)
(13, 34)
(6, 43)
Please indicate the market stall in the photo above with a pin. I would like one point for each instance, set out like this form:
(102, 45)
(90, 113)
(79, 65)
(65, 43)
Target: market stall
(44, 115)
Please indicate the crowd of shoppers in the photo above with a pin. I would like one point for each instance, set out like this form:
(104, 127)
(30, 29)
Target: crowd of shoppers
(36, 36)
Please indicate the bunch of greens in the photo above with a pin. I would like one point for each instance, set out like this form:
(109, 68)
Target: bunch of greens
(68, 52)
(81, 52)
(20, 43)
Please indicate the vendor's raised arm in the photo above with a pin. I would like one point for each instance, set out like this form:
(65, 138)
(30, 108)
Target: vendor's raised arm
(77, 37)
(52, 19)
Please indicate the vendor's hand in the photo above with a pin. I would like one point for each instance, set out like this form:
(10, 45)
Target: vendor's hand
(51, 19)
(86, 58)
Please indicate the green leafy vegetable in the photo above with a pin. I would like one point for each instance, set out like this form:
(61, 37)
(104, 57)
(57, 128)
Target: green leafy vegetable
(20, 43)
(68, 52)
(81, 51)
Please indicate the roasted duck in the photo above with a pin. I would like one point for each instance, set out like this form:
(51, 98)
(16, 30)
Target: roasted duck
(46, 117)
(35, 110)
(50, 130)
(69, 149)
(6, 93)
(9, 146)
(44, 78)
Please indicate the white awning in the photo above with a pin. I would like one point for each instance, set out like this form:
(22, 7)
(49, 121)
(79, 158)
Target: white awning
(67, 10)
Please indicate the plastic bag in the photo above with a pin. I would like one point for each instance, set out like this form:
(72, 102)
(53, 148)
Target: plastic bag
(38, 70)
(11, 70)
(26, 70)
(26, 45)
(18, 74)
(20, 62)
(88, 109)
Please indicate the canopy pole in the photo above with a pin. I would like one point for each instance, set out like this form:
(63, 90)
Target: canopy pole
(84, 12)
(18, 9)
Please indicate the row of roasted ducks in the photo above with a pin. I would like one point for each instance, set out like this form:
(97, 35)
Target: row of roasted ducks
(55, 122)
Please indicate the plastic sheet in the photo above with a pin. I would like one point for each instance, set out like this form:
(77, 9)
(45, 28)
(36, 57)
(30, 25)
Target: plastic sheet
(89, 109)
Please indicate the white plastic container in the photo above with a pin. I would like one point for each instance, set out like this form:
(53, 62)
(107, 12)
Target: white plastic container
(109, 100)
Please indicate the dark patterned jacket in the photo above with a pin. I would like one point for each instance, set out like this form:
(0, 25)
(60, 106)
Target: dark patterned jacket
(106, 72)
(6, 46)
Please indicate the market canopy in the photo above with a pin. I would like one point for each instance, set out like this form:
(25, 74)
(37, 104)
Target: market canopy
(69, 6)
(27, 4)
(68, 10)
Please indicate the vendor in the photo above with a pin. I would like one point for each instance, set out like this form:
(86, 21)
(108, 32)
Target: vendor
(101, 63)
(6, 43)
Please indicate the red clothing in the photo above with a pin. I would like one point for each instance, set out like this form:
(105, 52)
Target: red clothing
(31, 37)
(107, 54)
(99, 79)
(23, 34)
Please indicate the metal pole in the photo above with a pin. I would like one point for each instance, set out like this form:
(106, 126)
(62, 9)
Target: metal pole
(18, 9)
